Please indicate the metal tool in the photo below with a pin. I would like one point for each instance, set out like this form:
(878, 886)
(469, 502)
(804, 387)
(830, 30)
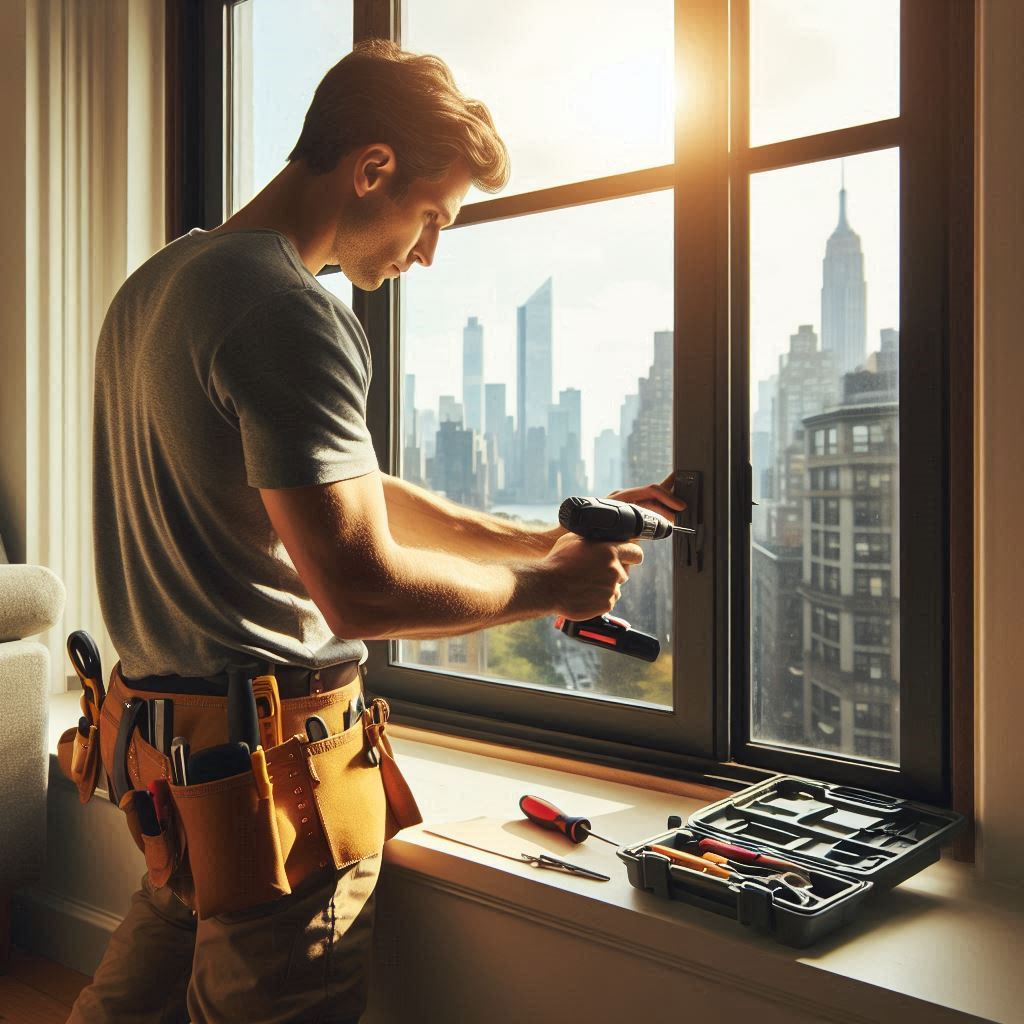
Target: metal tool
(548, 816)
(132, 717)
(355, 710)
(745, 856)
(179, 760)
(243, 718)
(85, 659)
(690, 860)
(161, 723)
(316, 728)
(541, 860)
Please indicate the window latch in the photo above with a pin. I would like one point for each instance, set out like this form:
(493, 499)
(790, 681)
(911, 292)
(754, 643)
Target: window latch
(690, 488)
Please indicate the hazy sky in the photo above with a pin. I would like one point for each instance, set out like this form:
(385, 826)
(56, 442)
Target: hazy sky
(580, 90)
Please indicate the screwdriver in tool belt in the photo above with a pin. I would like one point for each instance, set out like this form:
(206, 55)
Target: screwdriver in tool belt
(548, 816)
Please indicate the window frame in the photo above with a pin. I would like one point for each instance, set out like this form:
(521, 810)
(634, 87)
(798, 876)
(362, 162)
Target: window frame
(710, 739)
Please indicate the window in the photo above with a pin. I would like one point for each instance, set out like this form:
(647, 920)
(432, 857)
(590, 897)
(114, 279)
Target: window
(871, 547)
(871, 583)
(833, 544)
(870, 666)
(874, 479)
(874, 716)
(872, 630)
(872, 512)
(789, 228)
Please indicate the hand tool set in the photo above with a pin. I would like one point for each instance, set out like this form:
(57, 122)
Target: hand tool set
(793, 857)
(605, 519)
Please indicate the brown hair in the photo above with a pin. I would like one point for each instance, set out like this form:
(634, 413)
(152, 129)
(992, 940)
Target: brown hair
(381, 93)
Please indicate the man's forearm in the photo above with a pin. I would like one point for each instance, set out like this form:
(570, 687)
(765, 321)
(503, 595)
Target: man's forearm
(419, 519)
(426, 594)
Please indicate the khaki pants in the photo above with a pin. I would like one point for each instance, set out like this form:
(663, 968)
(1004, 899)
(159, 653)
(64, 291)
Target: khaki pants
(300, 959)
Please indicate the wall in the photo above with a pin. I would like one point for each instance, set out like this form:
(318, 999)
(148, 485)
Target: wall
(999, 431)
(13, 410)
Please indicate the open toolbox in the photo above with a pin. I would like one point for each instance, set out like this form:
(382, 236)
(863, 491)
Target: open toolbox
(845, 842)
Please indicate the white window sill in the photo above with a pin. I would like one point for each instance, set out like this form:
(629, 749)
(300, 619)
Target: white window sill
(942, 941)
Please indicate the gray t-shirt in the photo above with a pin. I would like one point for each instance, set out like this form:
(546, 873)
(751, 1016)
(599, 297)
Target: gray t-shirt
(223, 366)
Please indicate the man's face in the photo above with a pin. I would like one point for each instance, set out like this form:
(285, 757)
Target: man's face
(386, 236)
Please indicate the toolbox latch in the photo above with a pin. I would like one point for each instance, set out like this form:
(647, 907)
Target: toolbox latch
(654, 869)
(754, 905)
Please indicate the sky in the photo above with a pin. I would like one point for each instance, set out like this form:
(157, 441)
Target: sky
(579, 91)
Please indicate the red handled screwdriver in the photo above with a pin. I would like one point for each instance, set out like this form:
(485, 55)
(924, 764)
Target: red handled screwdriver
(548, 816)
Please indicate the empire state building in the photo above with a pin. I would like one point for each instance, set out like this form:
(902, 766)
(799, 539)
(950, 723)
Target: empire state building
(843, 295)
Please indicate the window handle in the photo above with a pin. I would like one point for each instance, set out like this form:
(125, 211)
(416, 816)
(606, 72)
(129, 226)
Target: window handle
(690, 488)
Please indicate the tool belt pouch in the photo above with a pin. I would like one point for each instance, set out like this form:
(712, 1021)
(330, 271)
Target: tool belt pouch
(330, 802)
(79, 760)
(233, 843)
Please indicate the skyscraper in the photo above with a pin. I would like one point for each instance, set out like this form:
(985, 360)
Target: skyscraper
(449, 410)
(409, 410)
(473, 374)
(843, 295)
(607, 462)
(533, 368)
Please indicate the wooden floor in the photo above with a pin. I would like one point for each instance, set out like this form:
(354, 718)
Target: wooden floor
(37, 991)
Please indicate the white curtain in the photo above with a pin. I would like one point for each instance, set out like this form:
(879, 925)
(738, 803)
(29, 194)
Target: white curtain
(94, 212)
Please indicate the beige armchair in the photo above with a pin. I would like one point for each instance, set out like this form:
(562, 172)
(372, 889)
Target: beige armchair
(31, 601)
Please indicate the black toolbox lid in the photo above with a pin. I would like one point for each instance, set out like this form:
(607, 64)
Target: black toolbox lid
(855, 833)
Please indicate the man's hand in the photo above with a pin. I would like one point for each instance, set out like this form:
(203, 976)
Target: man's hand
(656, 497)
(587, 576)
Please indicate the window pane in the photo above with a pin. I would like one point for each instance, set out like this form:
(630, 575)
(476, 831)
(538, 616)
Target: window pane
(279, 53)
(816, 67)
(824, 351)
(536, 368)
(576, 90)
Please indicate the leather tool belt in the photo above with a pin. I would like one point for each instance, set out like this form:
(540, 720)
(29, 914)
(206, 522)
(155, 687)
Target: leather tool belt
(236, 842)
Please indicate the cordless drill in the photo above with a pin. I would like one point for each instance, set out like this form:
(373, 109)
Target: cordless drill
(605, 519)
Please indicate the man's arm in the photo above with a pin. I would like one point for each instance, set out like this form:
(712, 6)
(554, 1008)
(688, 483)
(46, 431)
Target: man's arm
(419, 519)
(369, 586)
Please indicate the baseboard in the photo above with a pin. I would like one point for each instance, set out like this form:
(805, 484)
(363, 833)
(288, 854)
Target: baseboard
(63, 930)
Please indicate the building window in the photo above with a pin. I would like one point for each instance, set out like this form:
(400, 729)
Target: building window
(826, 718)
(872, 715)
(871, 583)
(871, 547)
(831, 511)
(870, 666)
(832, 545)
(870, 437)
(872, 512)
(816, 543)
(872, 630)
(871, 479)
(830, 579)
(457, 650)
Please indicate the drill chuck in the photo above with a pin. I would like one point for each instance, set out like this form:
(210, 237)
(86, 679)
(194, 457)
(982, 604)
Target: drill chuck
(606, 519)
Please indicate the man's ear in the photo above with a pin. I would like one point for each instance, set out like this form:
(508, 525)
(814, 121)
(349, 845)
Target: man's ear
(374, 169)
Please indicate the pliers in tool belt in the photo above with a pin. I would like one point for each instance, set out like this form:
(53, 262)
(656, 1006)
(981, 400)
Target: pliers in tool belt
(85, 658)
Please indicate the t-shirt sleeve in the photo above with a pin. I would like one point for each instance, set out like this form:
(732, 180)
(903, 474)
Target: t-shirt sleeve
(294, 373)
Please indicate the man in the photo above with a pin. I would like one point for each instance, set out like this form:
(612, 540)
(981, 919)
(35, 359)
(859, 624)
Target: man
(240, 512)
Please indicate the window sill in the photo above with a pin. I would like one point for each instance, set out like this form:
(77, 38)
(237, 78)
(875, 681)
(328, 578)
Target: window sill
(942, 941)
